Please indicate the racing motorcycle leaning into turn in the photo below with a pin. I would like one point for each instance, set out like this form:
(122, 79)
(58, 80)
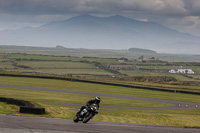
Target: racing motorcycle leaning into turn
(87, 113)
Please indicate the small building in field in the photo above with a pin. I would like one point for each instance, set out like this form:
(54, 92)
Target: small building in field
(181, 69)
(124, 67)
(152, 59)
(123, 59)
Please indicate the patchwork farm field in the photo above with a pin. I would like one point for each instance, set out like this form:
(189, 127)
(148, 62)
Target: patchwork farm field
(59, 68)
(94, 68)
(31, 63)
(52, 65)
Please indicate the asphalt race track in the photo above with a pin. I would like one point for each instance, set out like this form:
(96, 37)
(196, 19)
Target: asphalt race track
(24, 124)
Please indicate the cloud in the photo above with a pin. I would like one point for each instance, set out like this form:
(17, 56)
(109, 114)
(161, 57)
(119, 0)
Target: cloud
(37, 6)
(166, 7)
(189, 24)
(186, 21)
(195, 9)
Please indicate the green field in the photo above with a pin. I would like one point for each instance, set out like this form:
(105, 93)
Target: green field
(60, 68)
(79, 86)
(6, 65)
(53, 66)
(97, 69)
(103, 61)
(60, 58)
(56, 65)
(102, 53)
(177, 76)
(156, 117)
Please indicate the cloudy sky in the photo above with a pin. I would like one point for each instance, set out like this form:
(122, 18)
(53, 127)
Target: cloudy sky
(182, 15)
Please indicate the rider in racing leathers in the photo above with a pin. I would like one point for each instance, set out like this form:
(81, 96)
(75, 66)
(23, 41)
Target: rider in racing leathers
(97, 100)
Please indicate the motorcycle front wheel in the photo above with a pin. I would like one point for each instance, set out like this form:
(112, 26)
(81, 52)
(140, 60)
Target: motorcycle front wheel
(87, 117)
(75, 118)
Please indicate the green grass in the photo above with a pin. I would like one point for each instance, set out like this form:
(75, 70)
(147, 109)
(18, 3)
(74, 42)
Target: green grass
(177, 118)
(54, 67)
(56, 97)
(8, 108)
(132, 116)
(56, 64)
(196, 69)
(90, 72)
(59, 58)
(173, 86)
(6, 65)
(142, 73)
(79, 86)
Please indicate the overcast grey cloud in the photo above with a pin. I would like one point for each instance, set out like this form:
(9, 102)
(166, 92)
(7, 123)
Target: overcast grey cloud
(171, 7)
(183, 15)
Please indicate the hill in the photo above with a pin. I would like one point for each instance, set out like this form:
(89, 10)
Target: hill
(138, 50)
(92, 32)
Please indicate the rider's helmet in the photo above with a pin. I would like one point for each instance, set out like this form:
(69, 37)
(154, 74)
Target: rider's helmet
(97, 100)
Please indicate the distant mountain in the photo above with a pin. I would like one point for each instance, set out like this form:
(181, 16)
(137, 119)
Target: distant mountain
(138, 50)
(60, 47)
(114, 32)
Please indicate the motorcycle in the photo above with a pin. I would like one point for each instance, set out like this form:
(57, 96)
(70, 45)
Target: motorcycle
(86, 114)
